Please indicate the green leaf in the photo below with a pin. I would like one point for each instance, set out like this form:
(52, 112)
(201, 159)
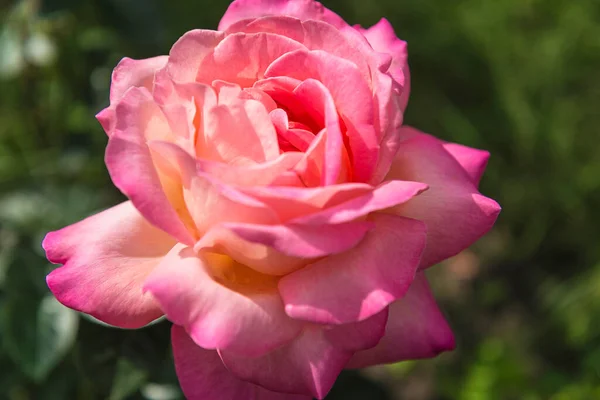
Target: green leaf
(38, 341)
(56, 333)
(128, 379)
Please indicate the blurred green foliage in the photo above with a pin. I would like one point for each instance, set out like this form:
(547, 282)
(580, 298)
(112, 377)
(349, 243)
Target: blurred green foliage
(516, 77)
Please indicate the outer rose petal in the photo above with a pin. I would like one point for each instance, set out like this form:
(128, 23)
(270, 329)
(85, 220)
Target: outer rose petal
(415, 329)
(106, 259)
(127, 74)
(359, 283)
(301, 9)
(308, 365)
(189, 52)
(456, 214)
(472, 160)
(131, 166)
(134, 73)
(203, 376)
(383, 39)
(222, 305)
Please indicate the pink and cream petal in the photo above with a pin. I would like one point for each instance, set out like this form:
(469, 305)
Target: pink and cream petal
(240, 132)
(301, 9)
(106, 259)
(127, 74)
(261, 258)
(295, 202)
(221, 303)
(415, 329)
(306, 241)
(308, 365)
(131, 165)
(360, 282)
(208, 201)
(190, 51)
(388, 194)
(203, 376)
(134, 73)
(455, 213)
(242, 58)
(259, 175)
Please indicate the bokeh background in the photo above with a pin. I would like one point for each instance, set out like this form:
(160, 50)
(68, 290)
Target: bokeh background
(519, 78)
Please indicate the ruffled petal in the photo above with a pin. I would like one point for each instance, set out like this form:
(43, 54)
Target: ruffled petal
(132, 168)
(359, 283)
(261, 258)
(127, 74)
(203, 376)
(301, 9)
(134, 73)
(106, 259)
(221, 303)
(315, 35)
(456, 214)
(238, 130)
(308, 365)
(415, 329)
(208, 201)
(383, 39)
(388, 194)
(188, 53)
(307, 241)
(242, 58)
(346, 84)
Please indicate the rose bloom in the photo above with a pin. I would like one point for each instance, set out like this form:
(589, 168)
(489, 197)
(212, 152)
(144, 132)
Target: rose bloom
(279, 213)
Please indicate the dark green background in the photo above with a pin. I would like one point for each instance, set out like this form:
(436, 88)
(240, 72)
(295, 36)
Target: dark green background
(519, 78)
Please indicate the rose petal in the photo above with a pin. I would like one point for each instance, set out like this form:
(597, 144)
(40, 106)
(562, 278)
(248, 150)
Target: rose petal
(127, 74)
(388, 194)
(223, 305)
(359, 283)
(242, 58)
(294, 202)
(472, 160)
(415, 329)
(106, 258)
(456, 214)
(358, 336)
(208, 201)
(257, 175)
(313, 94)
(261, 258)
(351, 95)
(301, 9)
(308, 365)
(203, 376)
(131, 166)
(315, 35)
(238, 131)
(188, 53)
(383, 39)
(134, 73)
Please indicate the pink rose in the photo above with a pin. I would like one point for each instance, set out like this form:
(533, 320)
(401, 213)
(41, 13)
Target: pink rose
(279, 213)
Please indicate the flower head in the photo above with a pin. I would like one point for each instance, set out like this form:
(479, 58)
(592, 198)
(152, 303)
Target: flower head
(280, 214)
